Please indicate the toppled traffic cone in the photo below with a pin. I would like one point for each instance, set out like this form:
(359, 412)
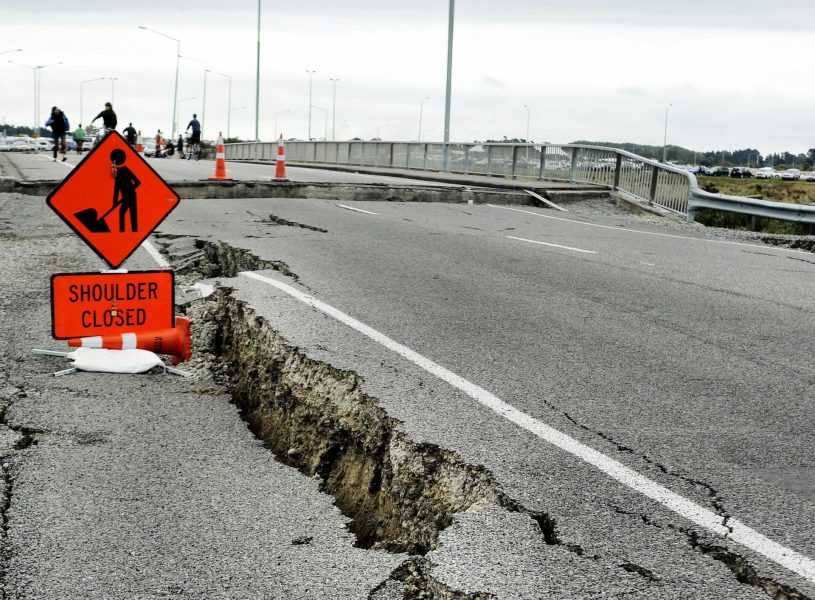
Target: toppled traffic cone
(175, 341)
(220, 161)
(280, 165)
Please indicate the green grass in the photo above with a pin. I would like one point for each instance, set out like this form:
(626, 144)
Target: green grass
(777, 190)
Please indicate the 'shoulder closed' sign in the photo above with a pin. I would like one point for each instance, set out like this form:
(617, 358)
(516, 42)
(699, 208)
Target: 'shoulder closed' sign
(91, 304)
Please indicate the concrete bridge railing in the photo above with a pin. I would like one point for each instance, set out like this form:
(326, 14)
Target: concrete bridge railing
(646, 180)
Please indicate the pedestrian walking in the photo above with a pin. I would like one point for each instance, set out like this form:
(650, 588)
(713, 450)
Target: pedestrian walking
(59, 125)
(158, 141)
(79, 138)
(130, 134)
(108, 117)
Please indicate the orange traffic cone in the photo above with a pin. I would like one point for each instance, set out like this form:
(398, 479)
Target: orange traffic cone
(220, 161)
(175, 341)
(280, 166)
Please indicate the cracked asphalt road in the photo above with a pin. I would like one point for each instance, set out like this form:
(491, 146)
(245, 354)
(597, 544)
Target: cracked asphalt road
(683, 356)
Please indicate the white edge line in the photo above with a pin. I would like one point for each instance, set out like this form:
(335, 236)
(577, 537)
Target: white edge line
(735, 530)
(155, 254)
(367, 212)
(65, 164)
(512, 237)
(667, 235)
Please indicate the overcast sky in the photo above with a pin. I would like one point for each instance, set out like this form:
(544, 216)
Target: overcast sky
(735, 73)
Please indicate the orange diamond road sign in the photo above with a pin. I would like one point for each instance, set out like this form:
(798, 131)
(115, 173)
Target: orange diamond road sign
(113, 199)
(91, 304)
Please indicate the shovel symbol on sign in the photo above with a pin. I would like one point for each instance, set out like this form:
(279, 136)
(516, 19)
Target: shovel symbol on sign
(124, 198)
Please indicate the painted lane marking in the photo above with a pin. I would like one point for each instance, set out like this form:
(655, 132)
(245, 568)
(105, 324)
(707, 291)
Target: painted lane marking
(735, 530)
(64, 164)
(155, 254)
(512, 237)
(667, 235)
(367, 212)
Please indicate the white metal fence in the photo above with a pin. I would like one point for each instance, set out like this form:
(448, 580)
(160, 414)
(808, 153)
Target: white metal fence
(646, 180)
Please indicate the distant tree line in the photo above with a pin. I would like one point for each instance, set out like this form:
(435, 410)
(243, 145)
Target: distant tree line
(712, 158)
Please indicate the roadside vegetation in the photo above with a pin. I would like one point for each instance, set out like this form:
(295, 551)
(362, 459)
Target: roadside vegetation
(793, 192)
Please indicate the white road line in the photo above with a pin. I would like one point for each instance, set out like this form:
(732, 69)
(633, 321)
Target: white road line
(735, 530)
(155, 254)
(667, 235)
(512, 237)
(367, 212)
(65, 164)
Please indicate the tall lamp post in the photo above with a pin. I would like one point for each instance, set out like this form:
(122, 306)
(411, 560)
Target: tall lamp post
(228, 102)
(421, 111)
(177, 63)
(276, 132)
(113, 90)
(37, 81)
(448, 88)
(527, 132)
(665, 138)
(82, 96)
(204, 100)
(334, 110)
(257, 82)
(310, 78)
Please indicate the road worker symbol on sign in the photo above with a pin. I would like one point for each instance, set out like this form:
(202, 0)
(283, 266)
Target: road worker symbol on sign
(124, 198)
(113, 199)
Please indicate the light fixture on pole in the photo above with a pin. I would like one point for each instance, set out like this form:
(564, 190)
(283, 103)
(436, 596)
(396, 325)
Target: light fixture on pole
(665, 139)
(228, 102)
(177, 64)
(310, 78)
(81, 97)
(334, 111)
(9, 51)
(421, 110)
(276, 132)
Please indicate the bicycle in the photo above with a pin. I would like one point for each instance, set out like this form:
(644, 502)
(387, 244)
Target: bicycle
(193, 150)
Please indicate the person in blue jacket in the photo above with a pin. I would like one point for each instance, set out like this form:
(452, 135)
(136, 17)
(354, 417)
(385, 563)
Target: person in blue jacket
(59, 125)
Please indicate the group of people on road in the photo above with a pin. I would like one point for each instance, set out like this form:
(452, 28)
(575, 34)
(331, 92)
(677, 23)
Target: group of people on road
(170, 148)
(58, 122)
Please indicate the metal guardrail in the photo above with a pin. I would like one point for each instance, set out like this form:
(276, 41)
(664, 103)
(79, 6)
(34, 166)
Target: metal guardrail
(646, 180)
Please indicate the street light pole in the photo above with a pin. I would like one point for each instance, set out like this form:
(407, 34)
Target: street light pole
(447, 94)
(37, 80)
(334, 111)
(81, 98)
(177, 65)
(228, 103)
(665, 138)
(257, 83)
(310, 79)
(421, 110)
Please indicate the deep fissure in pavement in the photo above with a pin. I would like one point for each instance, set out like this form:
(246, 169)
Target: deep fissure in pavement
(314, 417)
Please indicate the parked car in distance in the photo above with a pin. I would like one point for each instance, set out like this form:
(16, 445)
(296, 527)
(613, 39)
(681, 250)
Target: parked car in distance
(720, 171)
(703, 170)
(740, 172)
(793, 174)
(808, 176)
(767, 173)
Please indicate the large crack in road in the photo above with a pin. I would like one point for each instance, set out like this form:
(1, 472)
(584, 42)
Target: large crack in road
(316, 418)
